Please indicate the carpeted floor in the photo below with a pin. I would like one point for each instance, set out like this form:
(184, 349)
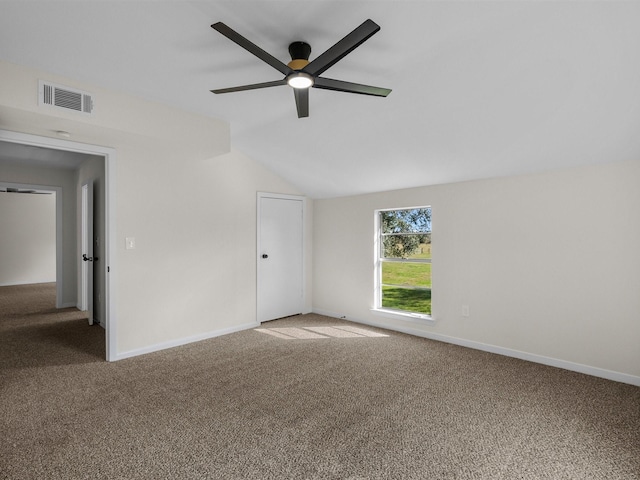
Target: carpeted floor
(293, 401)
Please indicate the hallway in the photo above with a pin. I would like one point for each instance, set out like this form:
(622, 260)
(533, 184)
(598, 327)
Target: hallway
(33, 332)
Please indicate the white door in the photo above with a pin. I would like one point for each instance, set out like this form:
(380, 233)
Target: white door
(87, 250)
(280, 256)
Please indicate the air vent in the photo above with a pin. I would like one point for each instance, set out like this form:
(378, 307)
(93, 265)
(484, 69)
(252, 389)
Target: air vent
(68, 98)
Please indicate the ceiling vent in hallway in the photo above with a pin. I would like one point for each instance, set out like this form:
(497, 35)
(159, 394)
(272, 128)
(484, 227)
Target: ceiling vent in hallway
(64, 97)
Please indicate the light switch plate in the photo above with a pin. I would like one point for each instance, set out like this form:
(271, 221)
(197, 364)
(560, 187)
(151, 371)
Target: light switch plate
(130, 243)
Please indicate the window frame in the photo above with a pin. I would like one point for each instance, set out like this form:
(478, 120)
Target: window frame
(379, 260)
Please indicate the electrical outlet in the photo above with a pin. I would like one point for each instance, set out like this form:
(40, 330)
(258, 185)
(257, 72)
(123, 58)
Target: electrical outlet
(130, 243)
(465, 310)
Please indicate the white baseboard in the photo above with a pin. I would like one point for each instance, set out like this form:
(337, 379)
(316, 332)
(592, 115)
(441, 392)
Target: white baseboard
(531, 357)
(28, 282)
(183, 341)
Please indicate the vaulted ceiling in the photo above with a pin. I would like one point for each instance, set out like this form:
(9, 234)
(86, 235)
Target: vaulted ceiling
(480, 89)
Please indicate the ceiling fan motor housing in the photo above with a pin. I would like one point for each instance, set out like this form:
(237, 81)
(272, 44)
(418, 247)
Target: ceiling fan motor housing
(299, 52)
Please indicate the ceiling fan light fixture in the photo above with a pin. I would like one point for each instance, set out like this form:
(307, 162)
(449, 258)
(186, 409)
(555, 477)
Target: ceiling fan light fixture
(301, 74)
(300, 80)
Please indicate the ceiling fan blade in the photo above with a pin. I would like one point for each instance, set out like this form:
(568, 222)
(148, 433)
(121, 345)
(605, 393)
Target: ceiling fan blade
(302, 101)
(252, 47)
(342, 48)
(253, 86)
(341, 86)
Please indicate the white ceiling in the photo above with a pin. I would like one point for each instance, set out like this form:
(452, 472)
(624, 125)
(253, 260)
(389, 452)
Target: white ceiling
(480, 89)
(18, 154)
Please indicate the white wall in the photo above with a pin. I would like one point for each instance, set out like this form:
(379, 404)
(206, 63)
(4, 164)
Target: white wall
(189, 201)
(27, 238)
(549, 265)
(194, 265)
(65, 179)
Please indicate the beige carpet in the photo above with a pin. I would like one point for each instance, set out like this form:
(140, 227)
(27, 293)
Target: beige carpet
(295, 400)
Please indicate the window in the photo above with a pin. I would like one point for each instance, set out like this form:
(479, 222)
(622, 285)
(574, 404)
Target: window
(404, 260)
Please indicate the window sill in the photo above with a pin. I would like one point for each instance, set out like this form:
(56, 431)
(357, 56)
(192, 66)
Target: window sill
(406, 316)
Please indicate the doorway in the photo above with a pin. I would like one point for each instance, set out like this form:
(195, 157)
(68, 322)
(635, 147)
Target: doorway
(280, 256)
(32, 238)
(109, 156)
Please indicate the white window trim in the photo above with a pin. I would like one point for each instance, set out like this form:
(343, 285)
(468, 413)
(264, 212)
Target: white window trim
(404, 315)
(378, 309)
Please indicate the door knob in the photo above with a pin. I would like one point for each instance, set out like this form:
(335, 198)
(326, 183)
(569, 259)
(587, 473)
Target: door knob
(86, 259)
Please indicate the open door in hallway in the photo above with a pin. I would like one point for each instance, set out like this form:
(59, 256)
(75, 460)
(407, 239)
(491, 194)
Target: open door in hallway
(87, 250)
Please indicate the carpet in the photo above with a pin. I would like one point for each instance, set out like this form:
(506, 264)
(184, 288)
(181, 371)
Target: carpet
(305, 397)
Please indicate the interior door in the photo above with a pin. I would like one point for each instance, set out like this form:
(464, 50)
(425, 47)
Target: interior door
(280, 257)
(87, 250)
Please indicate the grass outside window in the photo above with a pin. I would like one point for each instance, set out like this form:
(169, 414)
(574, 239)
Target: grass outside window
(406, 286)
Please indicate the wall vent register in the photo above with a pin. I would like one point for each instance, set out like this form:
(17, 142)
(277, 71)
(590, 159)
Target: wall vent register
(60, 96)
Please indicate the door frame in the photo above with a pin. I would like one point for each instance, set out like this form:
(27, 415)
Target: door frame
(303, 199)
(109, 155)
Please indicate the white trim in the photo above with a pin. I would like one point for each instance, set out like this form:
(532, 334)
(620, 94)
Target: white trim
(84, 240)
(378, 261)
(377, 268)
(282, 196)
(508, 352)
(184, 341)
(35, 282)
(404, 315)
(109, 155)
(110, 253)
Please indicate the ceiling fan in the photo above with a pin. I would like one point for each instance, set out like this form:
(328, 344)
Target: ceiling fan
(300, 73)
